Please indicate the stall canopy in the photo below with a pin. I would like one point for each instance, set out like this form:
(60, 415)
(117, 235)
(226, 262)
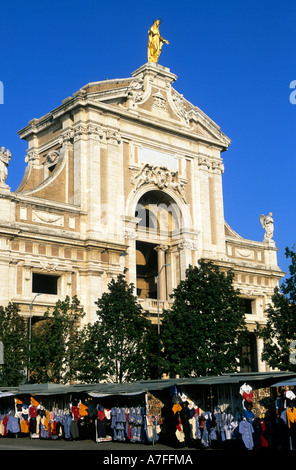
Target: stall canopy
(260, 378)
(286, 383)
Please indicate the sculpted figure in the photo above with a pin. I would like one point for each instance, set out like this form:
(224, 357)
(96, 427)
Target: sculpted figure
(155, 42)
(5, 157)
(267, 225)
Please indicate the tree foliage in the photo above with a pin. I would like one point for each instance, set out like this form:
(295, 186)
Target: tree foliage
(280, 328)
(56, 341)
(203, 332)
(13, 335)
(115, 346)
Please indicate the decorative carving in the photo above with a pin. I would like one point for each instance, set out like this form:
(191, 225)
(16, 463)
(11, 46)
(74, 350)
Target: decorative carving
(161, 177)
(50, 267)
(187, 245)
(131, 234)
(159, 101)
(137, 90)
(244, 253)
(218, 167)
(47, 218)
(267, 225)
(204, 161)
(180, 105)
(113, 136)
(5, 157)
(52, 157)
(32, 156)
(161, 248)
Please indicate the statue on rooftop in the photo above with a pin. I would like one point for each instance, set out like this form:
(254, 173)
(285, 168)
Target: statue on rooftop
(5, 157)
(155, 42)
(267, 225)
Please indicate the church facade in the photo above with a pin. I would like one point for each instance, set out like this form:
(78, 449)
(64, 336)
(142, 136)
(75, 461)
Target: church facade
(126, 173)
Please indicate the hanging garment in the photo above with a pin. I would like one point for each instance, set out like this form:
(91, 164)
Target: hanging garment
(177, 407)
(257, 433)
(291, 415)
(185, 417)
(33, 425)
(83, 410)
(248, 396)
(13, 425)
(179, 431)
(74, 429)
(32, 411)
(246, 430)
(4, 422)
(67, 425)
(75, 412)
(24, 425)
(264, 434)
(249, 415)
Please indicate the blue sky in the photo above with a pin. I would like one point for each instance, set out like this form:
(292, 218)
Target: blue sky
(235, 59)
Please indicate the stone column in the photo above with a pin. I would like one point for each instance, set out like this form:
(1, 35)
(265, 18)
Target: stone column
(217, 209)
(259, 346)
(161, 261)
(185, 259)
(204, 164)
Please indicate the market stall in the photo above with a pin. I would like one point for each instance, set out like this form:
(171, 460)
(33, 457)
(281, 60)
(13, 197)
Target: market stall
(195, 412)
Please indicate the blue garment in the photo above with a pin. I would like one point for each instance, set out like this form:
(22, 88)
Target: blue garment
(67, 425)
(246, 430)
(249, 415)
(13, 425)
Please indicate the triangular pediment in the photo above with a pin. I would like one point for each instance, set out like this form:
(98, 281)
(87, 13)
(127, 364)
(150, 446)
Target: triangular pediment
(149, 93)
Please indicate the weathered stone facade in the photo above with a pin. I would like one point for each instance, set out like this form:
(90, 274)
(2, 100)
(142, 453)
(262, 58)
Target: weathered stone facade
(126, 173)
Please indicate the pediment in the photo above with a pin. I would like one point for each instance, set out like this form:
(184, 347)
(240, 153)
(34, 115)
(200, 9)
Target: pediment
(149, 93)
(229, 232)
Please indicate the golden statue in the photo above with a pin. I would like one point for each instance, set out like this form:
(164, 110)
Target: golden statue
(155, 42)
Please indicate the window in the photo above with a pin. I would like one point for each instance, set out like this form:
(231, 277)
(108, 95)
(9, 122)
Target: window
(45, 284)
(247, 305)
(249, 354)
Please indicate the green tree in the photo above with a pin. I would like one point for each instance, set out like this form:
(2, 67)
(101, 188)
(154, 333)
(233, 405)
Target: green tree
(56, 342)
(13, 335)
(280, 328)
(116, 346)
(204, 331)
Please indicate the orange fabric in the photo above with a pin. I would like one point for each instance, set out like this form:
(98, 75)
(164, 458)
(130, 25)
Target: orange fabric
(34, 402)
(176, 408)
(24, 426)
(83, 410)
(291, 415)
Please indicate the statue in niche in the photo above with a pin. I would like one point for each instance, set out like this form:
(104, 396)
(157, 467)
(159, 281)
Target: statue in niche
(5, 157)
(267, 225)
(155, 42)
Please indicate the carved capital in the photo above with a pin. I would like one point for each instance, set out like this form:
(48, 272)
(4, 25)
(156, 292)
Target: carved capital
(186, 245)
(161, 247)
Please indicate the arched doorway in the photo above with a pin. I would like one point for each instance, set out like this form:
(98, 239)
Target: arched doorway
(159, 221)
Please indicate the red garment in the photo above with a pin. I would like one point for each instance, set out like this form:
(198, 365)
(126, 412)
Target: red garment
(179, 425)
(248, 396)
(128, 426)
(4, 422)
(264, 439)
(33, 411)
(75, 412)
(101, 415)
